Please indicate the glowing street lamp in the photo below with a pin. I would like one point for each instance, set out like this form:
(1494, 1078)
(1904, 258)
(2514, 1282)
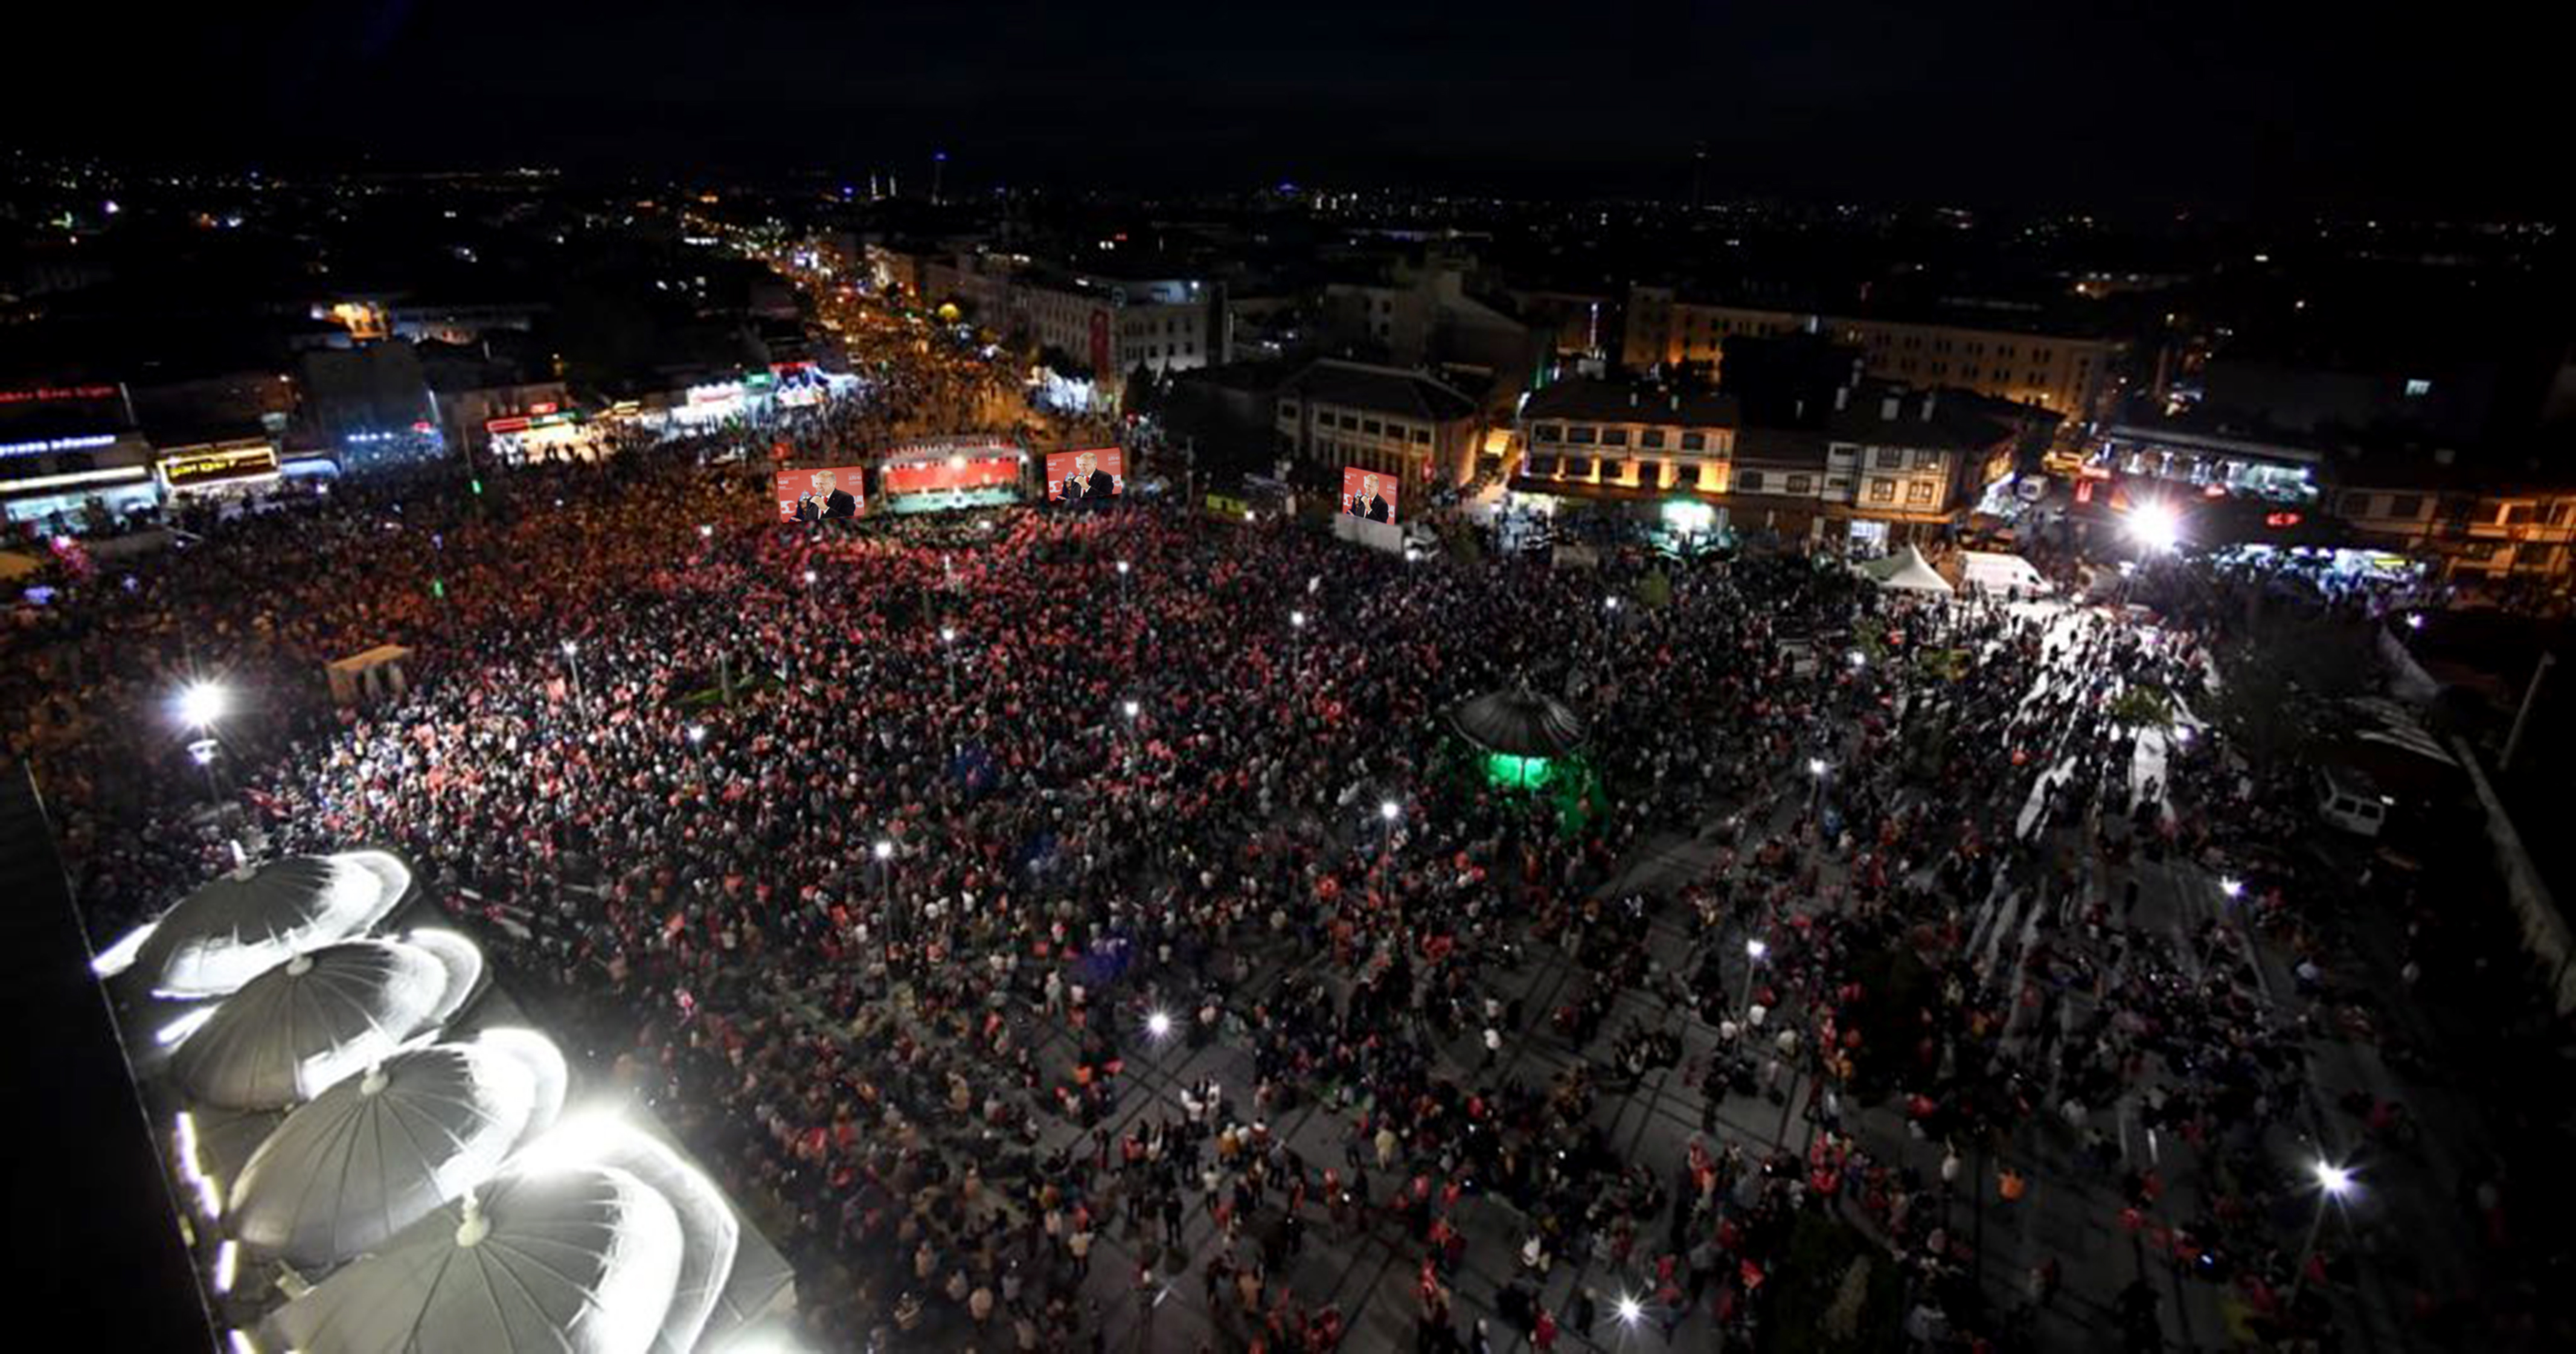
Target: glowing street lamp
(1631, 1311)
(1297, 619)
(705, 531)
(1159, 1024)
(1389, 810)
(202, 703)
(1816, 767)
(1754, 949)
(2155, 526)
(697, 734)
(1130, 708)
(2233, 888)
(2334, 1183)
(884, 850)
(809, 576)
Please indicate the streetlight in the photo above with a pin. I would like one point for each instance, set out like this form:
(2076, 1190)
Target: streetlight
(1610, 603)
(1389, 810)
(1130, 707)
(2333, 1183)
(884, 852)
(809, 576)
(2155, 526)
(705, 531)
(1631, 1311)
(1159, 1024)
(202, 703)
(948, 655)
(572, 656)
(2233, 888)
(697, 734)
(1297, 619)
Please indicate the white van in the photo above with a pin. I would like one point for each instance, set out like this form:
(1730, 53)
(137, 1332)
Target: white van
(2356, 808)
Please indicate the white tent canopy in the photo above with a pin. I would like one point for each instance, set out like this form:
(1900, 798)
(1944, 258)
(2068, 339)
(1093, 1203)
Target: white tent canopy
(1906, 571)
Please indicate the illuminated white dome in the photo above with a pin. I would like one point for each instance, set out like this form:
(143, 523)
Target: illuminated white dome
(241, 925)
(582, 1259)
(322, 1015)
(377, 1151)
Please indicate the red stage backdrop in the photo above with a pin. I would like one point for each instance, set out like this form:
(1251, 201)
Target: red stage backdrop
(819, 481)
(974, 473)
(1368, 493)
(1065, 467)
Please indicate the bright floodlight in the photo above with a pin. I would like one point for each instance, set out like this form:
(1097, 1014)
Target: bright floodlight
(1610, 602)
(1298, 619)
(809, 575)
(1122, 566)
(570, 648)
(1388, 809)
(1858, 658)
(885, 850)
(2155, 526)
(2333, 1179)
(1130, 707)
(697, 733)
(948, 634)
(1755, 949)
(1630, 1310)
(2231, 887)
(1158, 1024)
(1815, 766)
(202, 703)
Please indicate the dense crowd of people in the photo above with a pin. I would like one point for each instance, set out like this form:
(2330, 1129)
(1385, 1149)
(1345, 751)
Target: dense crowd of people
(886, 866)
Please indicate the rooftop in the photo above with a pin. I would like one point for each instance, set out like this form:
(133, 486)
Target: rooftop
(1603, 401)
(1387, 390)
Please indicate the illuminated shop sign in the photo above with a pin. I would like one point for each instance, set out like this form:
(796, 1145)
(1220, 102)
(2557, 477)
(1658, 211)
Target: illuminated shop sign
(217, 464)
(43, 445)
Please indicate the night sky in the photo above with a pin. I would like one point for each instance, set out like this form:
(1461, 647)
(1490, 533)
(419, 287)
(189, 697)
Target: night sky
(2194, 102)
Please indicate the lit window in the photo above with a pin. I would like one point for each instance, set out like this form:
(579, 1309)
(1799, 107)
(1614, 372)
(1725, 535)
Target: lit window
(2417, 387)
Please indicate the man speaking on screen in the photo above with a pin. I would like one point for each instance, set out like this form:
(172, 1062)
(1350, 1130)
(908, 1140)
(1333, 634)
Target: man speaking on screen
(1097, 486)
(1366, 503)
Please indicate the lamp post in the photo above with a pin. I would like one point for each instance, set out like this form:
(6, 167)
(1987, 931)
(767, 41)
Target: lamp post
(948, 654)
(2333, 1183)
(1817, 768)
(200, 704)
(884, 853)
(1123, 568)
(1754, 949)
(572, 660)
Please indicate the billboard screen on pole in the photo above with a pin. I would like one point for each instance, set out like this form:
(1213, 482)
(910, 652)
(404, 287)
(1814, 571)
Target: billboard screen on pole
(835, 491)
(1368, 494)
(1092, 476)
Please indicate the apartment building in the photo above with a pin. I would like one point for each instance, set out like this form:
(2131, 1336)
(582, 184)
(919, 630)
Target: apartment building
(2065, 373)
(1339, 413)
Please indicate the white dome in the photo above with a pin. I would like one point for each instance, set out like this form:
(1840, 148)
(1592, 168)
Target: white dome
(322, 1015)
(244, 923)
(576, 1259)
(376, 1152)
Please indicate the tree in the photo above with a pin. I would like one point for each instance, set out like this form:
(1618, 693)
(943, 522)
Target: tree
(2274, 682)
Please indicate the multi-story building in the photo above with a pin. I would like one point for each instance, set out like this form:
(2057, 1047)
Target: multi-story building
(2470, 526)
(1590, 433)
(1428, 313)
(1113, 325)
(1339, 413)
(1889, 462)
(2061, 372)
